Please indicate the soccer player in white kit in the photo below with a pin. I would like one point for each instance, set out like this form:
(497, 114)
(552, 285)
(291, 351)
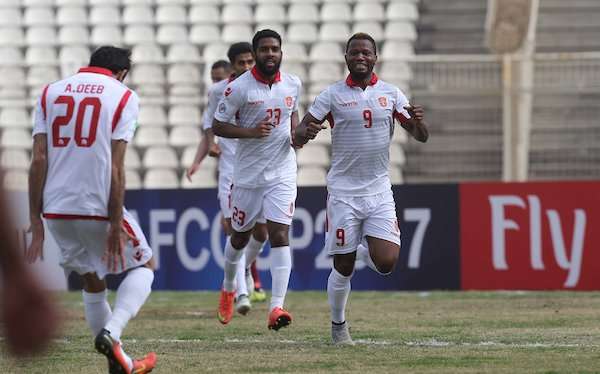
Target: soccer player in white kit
(260, 108)
(360, 206)
(77, 183)
(242, 60)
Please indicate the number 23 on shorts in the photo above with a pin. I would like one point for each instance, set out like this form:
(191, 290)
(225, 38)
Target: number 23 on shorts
(238, 216)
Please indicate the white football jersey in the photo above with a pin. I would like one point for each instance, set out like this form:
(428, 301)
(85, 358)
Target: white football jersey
(362, 126)
(81, 115)
(227, 145)
(247, 101)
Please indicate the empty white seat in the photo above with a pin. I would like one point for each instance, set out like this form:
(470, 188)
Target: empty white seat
(368, 12)
(147, 53)
(105, 15)
(369, 27)
(14, 159)
(275, 26)
(67, 3)
(39, 16)
(401, 11)
(37, 3)
(302, 33)
(313, 154)
(161, 178)
(204, 34)
(236, 13)
(205, 13)
(16, 138)
(327, 51)
(235, 32)
(184, 115)
(213, 52)
(71, 16)
(12, 75)
(132, 159)
(40, 56)
(170, 34)
(151, 136)
(398, 30)
(302, 12)
(336, 12)
(172, 2)
(73, 35)
(41, 35)
(12, 3)
(11, 37)
(295, 52)
(151, 89)
(184, 74)
(325, 72)
(269, 13)
(10, 17)
(10, 56)
(41, 75)
(170, 14)
(16, 180)
(201, 179)
(183, 136)
(189, 153)
(152, 116)
(334, 32)
(139, 34)
(106, 35)
(311, 176)
(147, 74)
(14, 117)
(132, 180)
(160, 157)
(137, 2)
(185, 98)
(183, 53)
(397, 156)
(397, 50)
(138, 15)
(295, 68)
(396, 70)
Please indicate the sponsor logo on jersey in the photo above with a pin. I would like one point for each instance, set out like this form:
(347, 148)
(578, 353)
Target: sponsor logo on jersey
(222, 108)
(349, 104)
(257, 102)
(383, 101)
(228, 91)
(289, 101)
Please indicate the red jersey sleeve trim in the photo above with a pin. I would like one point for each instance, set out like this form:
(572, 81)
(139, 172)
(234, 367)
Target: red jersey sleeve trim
(43, 100)
(400, 117)
(73, 216)
(96, 70)
(120, 107)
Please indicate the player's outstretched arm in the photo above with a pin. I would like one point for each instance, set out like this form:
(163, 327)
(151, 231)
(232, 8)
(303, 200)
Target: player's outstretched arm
(228, 130)
(307, 129)
(37, 179)
(416, 125)
(116, 243)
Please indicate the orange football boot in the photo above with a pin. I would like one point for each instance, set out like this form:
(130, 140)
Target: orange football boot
(279, 318)
(225, 312)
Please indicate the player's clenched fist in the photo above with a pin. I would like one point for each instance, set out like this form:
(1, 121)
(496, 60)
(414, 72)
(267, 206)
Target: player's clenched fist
(263, 129)
(312, 129)
(415, 111)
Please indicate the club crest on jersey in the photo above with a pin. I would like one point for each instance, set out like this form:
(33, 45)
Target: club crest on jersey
(228, 91)
(222, 108)
(383, 101)
(289, 101)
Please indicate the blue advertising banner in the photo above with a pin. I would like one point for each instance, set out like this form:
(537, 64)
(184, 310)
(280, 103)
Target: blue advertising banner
(183, 228)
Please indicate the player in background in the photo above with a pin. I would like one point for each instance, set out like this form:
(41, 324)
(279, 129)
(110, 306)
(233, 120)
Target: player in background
(260, 108)
(220, 70)
(77, 182)
(360, 205)
(242, 60)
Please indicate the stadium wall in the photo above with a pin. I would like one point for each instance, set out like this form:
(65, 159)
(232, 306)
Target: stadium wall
(485, 236)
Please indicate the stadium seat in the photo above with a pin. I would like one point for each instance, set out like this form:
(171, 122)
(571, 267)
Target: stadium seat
(160, 179)
(396, 175)
(396, 70)
(12, 96)
(401, 11)
(11, 37)
(105, 15)
(151, 136)
(39, 16)
(71, 3)
(132, 159)
(369, 27)
(41, 75)
(171, 34)
(302, 33)
(106, 35)
(311, 176)
(204, 13)
(313, 155)
(42, 36)
(185, 115)
(201, 179)
(14, 117)
(278, 2)
(269, 13)
(16, 180)
(295, 52)
(334, 32)
(147, 54)
(152, 116)
(213, 52)
(69, 16)
(147, 74)
(235, 32)
(37, 3)
(139, 34)
(396, 50)
(172, 2)
(137, 15)
(170, 15)
(160, 157)
(236, 14)
(16, 138)
(183, 136)
(14, 159)
(325, 72)
(398, 30)
(138, 2)
(204, 34)
(132, 180)
(397, 156)
(295, 68)
(73, 35)
(41, 56)
(335, 12)
(9, 56)
(151, 90)
(303, 13)
(183, 53)
(187, 157)
(185, 74)
(106, 2)
(273, 26)
(368, 12)
(10, 17)
(327, 51)
(12, 75)
(205, 2)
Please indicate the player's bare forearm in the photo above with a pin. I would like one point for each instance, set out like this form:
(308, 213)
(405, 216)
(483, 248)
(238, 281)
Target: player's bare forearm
(117, 183)
(417, 129)
(37, 177)
(307, 129)
(202, 150)
(228, 130)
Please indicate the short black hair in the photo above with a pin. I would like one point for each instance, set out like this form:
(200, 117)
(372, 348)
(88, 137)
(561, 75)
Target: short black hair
(112, 58)
(362, 36)
(266, 33)
(221, 64)
(237, 49)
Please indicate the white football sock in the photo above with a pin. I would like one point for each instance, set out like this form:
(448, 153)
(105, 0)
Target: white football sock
(253, 249)
(362, 253)
(281, 267)
(338, 289)
(232, 257)
(131, 295)
(97, 310)
(240, 276)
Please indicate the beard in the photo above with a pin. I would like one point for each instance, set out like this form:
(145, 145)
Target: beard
(261, 66)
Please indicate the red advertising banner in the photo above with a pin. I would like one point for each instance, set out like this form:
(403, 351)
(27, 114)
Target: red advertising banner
(530, 236)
